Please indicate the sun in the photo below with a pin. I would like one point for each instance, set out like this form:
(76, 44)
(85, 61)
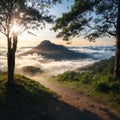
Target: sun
(15, 28)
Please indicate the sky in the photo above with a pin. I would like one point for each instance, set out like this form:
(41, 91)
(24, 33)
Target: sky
(46, 34)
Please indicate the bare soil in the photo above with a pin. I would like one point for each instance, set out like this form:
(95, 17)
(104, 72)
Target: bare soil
(72, 105)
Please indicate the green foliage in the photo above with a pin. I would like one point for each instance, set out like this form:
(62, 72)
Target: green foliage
(108, 87)
(115, 87)
(99, 71)
(91, 18)
(103, 87)
(85, 78)
(68, 76)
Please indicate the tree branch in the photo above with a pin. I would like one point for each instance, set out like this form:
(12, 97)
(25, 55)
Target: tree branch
(111, 33)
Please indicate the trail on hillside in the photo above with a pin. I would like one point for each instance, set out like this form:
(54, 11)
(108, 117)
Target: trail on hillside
(79, 100)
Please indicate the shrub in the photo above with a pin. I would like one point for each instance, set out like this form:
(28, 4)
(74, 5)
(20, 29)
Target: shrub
(86, 78)
(107, 87)
(115, 87)
(68, 76)
(103, 87)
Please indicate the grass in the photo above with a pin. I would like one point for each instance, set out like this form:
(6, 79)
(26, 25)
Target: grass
(24, 100)
(95, 81)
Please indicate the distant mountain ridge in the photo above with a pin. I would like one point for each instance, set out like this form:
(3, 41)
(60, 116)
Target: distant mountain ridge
(52, 51)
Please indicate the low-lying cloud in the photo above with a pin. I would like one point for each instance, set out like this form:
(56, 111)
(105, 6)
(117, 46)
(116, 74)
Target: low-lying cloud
(53, 67)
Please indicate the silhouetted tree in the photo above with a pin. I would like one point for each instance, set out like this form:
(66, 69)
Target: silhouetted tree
(16, 16)
(93, 19)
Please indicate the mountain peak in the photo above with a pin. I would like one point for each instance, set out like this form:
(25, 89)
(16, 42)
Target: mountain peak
(57, 52)
(44, 43)
(47, 45)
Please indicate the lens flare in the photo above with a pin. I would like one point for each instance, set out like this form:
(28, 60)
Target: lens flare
(15, 28)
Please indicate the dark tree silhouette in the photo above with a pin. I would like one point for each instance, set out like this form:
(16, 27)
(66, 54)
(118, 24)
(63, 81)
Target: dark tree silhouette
(93, 19)
(25, 15)
(117, 58)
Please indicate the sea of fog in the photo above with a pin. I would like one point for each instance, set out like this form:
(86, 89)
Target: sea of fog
(53, 67)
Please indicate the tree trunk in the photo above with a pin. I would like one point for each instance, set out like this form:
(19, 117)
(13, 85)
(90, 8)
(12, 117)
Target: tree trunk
(13, 53)
(117, 57)
(11, 58)
(10, 75)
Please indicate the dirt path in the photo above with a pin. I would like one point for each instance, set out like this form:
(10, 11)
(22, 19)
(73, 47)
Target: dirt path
(80, 101)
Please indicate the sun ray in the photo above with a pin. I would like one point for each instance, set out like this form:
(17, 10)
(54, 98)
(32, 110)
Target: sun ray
(15, 28)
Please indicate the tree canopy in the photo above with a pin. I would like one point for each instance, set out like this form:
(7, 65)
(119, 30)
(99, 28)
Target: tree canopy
(91, 18)
(28, 14)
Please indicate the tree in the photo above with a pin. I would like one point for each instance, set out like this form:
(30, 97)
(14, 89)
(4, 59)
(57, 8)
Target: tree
(117, 59)
(16, 16)
(93, 19)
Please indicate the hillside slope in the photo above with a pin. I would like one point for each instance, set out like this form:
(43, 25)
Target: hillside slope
(94, 80)
(28, 100)
(99, 71)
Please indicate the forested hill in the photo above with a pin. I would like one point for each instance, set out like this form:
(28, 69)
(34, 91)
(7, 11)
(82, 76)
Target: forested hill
(101, 71)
